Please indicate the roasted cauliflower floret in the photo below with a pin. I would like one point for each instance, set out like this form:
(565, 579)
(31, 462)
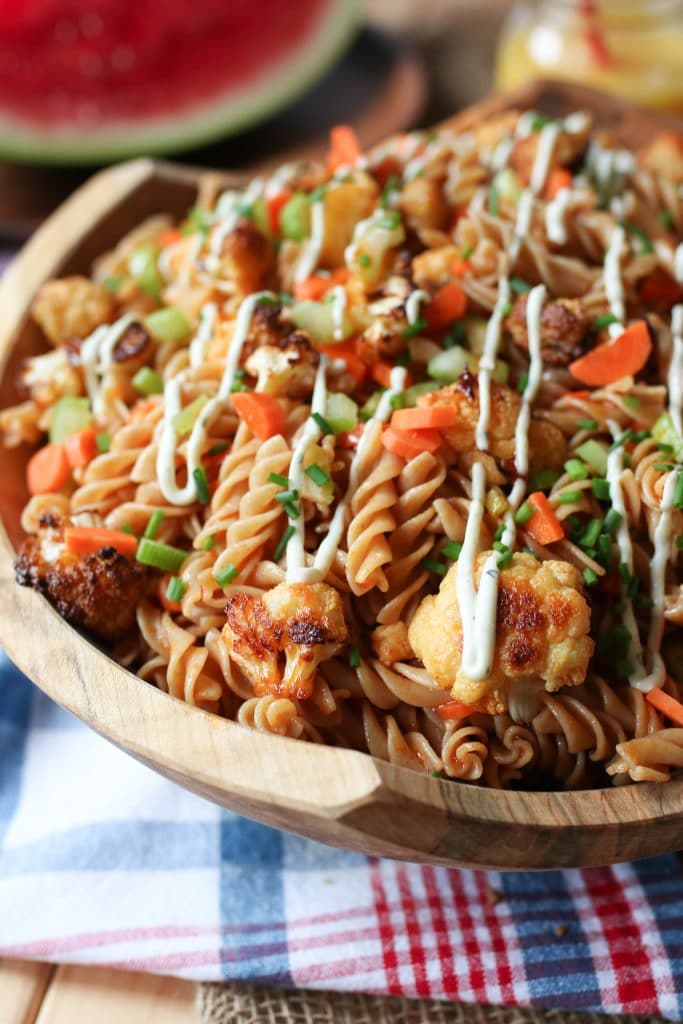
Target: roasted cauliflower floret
(71, 307)
(98, 593)
(464, 397)
(541, 631)
(423, 205)
(345, 206)
(279, 640)
(390, 643)
(383, 338)
(281, 371)
(246, 257)
(434, 267)
(50, 376)
(564, 326)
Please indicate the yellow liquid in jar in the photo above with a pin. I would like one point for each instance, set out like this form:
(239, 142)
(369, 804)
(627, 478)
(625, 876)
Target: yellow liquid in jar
(644, 66)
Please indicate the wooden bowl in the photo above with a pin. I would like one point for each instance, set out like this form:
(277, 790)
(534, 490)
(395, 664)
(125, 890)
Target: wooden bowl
(338, 796)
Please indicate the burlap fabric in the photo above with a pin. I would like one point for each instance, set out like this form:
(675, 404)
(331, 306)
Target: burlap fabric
(247, 1004)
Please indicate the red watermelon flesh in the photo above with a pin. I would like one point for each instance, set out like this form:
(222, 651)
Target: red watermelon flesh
(84, 65)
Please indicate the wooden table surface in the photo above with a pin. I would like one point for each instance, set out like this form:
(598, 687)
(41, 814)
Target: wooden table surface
(36, 993)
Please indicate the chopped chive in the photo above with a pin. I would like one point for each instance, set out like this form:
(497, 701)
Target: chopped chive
(226, 575)
(397, 401)
(590, 577)
(600, 488)
(389, 220)
(506, 309)
(589, 536)
(238, 386)
(522, 383)
(457, 335)
(539, 121)
(209, 544)
(160, 556)
(392, 183)
(518, 286)
(286, 496)
(587, 424)
(127, 528)
(113, 283)
(317, 194)
(621, 440)
(631, 401)
(576, 469)
(291, 509)
(678, 492)
(664, 467)
(544, 479)
(627, 460)
(276, 478)
(202, 485)
(569, 497)
(103, 442)
(284, 540)
(500, 547)
(263, 300)
(504, 559)
(155, 521)
(286, 299)
(666, 219)
(317, 475)
(364, 260)
(679, 542)
(528, 551)
(452, 549)
(612, 521)
(605, 320)
(605, 550)
(148, 382)
(437, 775)
(467, 252)
(403, 359)
(500, 530)
(641, 435)
(431, 565)
(217, 449)
(668, 448)
(412, 329)
(354, 656)
(493, 202)
(524, 513)
(175, 589)
(633, 229)
(322, 423)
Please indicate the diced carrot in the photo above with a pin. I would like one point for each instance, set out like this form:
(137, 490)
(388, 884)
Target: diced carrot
(449, 304)
(435, 417)
(453, 709)
(660, 288)
(350, 438)
(409, 443)
(312, 288)
(544, 526)
(558, 179)
(381, 373)
(81, 447)
(169, 237)
(88, 540)
(340, 275)
(48, 470)
(344, 147)
(261, 412)
(346, 350)
(622, 357)
(460, 267)
(166, 602)
(669, 706)
(275, 205)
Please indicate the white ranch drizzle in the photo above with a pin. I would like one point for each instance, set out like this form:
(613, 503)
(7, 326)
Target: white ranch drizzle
(228, 213)
(417, 296)
(328, 549)
(678, 263)
(207, 323)
(615, 469)
(338, 298)
(613, 284)
(96, 356)
(555, 216)
(312, 248)
(675, 376)
(168, 441)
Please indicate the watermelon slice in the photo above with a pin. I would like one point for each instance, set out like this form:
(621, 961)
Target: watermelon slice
(94, 80)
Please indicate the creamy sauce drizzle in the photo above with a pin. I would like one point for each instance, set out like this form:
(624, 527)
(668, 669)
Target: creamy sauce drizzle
(168, 441)
(338, 294)
(555, 216)
(96, 356)
(417, 296)
(312, 248)
(228, 212)
(613, 284)
(200, 342)
(678, 263)
(675, 376)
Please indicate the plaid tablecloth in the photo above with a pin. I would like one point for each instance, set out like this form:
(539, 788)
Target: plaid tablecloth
(102, 861)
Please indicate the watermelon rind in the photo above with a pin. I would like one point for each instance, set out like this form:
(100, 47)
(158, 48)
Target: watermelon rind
(199, 125)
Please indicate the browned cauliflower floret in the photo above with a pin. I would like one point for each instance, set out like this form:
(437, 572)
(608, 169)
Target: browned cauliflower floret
(541, 630)
(383, 338)
(246, 257)
(564, 326)
(279, 640)
(464, 397)
(98, 593)
(282, 371)
(390, 643)
(567, 148)
(423, 205)
(71, 307)
(50, 376)
(664, 155)
(434, 267)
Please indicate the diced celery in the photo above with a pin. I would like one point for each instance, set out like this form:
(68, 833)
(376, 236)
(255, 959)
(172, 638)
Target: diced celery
(148, 382)
(317, 319)
(295, 217)
(664, 432)
(257, 212)
(508, 186)
(411, 394)
(450, 365)
(168, 324)
(341, 412)
(368, 256)
(184, 421)
(595, 455)
(501, 372)
(69, 415)
(143, 266)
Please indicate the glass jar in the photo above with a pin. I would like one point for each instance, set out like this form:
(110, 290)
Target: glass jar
(631, 47)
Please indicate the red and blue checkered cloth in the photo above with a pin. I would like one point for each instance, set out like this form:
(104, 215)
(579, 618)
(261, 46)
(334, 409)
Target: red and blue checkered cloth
(102, 861)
